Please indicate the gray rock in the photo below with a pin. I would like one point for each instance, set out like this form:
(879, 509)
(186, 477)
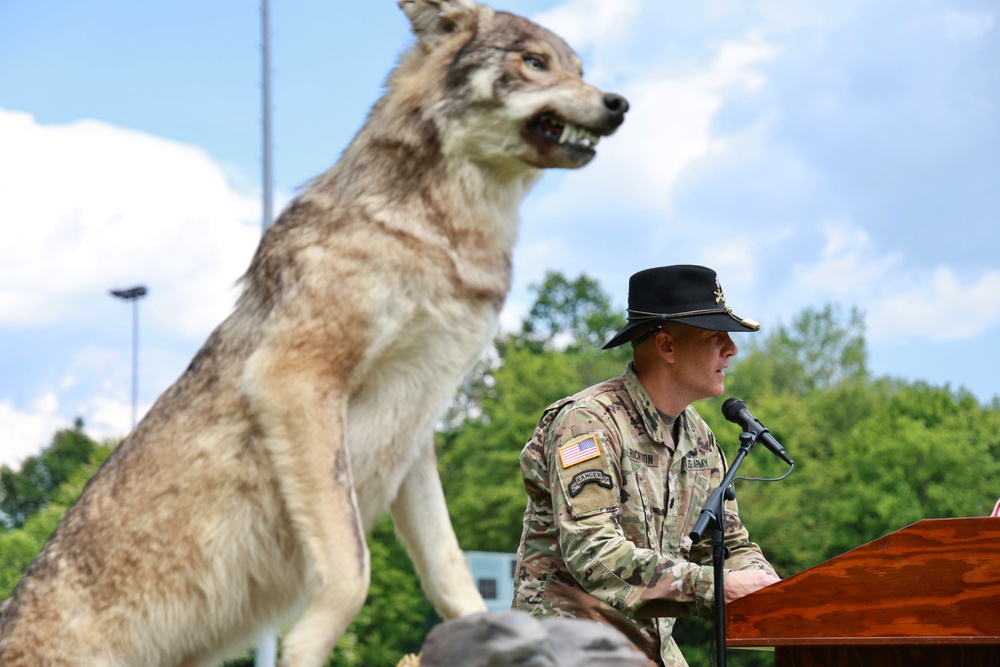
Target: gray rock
(490, 639)
(578, 643)
(515, 639)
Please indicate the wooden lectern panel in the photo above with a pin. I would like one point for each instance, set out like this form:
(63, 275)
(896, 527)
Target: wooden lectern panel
(934, 582)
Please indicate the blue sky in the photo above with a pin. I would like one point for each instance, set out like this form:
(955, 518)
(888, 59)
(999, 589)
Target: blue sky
(826, 152)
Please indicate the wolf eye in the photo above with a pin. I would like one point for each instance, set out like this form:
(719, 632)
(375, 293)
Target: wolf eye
(535, 62)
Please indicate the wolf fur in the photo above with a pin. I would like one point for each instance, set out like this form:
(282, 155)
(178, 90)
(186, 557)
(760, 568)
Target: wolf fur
(243, 498)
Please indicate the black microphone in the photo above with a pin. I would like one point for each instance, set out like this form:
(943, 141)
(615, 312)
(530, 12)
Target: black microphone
(735, 410)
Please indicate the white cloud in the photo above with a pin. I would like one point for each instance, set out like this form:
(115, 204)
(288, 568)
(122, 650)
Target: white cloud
(730, 259)
(735, 66)
(848, 267)
(940, 306)
(88, 206)
(24, 432)
(585, 23)
(668, 130)
(899, 301)
(110, 418)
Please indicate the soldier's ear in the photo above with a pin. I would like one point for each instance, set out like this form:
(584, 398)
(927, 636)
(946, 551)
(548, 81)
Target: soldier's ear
(433, 19)
(666, 345)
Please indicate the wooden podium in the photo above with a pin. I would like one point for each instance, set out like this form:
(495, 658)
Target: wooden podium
(925, 596)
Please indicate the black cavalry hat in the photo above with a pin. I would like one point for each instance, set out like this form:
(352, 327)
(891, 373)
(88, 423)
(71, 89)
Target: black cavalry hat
(682, 293)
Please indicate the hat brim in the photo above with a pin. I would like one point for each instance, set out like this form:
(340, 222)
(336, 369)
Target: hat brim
(712, 322)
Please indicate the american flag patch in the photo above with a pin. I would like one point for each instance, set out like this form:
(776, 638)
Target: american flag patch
(583, 449)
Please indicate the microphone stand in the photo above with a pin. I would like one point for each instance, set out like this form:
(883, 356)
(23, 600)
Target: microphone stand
(713, 515)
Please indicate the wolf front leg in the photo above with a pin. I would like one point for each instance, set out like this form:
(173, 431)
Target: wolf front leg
(421, 519)
(303, 422)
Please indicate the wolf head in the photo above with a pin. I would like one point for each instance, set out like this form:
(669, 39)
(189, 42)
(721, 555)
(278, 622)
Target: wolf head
(502, 89)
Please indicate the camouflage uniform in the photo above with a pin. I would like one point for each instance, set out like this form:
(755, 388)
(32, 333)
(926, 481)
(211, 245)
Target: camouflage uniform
(611, 500)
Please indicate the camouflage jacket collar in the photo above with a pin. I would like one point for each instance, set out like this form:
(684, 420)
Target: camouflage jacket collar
(644, 405)
(651, 416)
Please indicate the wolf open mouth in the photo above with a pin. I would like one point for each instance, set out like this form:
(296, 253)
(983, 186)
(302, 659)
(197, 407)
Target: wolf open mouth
(552, 128)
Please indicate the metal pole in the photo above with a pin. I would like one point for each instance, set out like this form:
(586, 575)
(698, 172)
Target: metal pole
(266, 654)
(266, 97)
(133, 294)
(135, 358)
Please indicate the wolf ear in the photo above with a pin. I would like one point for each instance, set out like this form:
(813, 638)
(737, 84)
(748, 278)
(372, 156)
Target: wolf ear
(434, 19)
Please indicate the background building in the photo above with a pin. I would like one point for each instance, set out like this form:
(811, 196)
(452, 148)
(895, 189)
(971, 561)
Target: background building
(494, 576)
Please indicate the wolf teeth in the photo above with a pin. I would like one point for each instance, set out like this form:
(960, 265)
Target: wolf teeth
(574, 134)
(568, 134)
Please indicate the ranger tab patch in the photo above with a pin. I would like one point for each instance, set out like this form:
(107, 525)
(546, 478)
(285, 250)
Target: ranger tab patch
(581, 479)
(579, 451)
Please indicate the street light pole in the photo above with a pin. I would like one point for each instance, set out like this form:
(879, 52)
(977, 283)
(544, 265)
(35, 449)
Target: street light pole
(266, 185)
(133, 294)
(266, 654)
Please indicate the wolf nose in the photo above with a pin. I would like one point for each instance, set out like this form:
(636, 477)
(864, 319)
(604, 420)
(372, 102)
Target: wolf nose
(616, 106)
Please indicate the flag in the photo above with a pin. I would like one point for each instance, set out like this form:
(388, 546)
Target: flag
(580, 450)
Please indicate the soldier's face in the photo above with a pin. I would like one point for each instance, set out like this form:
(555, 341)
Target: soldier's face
(700, 360)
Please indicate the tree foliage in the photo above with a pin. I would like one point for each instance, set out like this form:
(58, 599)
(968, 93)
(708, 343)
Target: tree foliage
(71, 459)
(872, 456)
(25, 492)
(575, 313)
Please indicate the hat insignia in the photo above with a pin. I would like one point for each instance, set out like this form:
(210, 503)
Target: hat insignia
(719, 296)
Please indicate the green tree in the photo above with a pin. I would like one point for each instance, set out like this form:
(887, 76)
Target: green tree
(18, 546)
(574, 313)
(25, 492)
(821, 349)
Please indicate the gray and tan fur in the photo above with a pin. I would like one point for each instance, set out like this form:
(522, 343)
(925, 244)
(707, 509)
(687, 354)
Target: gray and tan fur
(243, 498)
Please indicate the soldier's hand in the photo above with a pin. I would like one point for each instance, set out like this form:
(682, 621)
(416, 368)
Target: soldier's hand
(744, 582)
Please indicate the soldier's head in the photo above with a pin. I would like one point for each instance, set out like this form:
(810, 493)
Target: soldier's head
(679, 326)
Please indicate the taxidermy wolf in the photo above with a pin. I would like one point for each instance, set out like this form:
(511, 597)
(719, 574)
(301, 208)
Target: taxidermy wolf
(243, 498)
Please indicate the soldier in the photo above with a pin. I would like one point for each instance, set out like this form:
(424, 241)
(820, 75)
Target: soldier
(617, 475)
